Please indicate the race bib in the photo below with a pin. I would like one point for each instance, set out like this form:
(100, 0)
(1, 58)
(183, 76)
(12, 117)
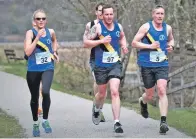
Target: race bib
(110, 57)
(157, 56)
(42, 58)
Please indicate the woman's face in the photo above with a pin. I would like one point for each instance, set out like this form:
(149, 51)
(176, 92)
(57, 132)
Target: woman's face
(40, 20)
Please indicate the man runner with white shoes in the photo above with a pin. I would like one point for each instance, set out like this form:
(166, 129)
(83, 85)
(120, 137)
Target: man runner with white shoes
(108, 67)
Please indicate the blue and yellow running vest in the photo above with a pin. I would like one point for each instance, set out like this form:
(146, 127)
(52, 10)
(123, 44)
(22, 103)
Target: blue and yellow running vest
(154, 58)
(107, 55)
(40, 59)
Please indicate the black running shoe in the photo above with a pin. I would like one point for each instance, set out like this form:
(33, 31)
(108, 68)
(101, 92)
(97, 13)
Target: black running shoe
(144, 108)
(163, 128)
(118, 128)
(96, 116)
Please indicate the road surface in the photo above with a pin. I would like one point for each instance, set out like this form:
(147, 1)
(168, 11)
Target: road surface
(70, 116)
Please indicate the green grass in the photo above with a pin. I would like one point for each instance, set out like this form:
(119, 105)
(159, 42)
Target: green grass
(18, 69)
(9, 127)
(182, 119)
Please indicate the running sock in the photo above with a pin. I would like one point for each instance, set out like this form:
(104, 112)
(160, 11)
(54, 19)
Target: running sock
(36, 122)
(142, 100)
(97, 109)
(143, 105)
(163, 118)
(44, 120)
(115, 121)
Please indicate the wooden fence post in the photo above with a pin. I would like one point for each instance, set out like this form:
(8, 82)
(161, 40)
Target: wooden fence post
(170, 96)
(195, 73)
(182, 92)
(170, 84)
(139, 81)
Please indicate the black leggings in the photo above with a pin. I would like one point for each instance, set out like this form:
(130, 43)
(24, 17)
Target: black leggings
(33, 80)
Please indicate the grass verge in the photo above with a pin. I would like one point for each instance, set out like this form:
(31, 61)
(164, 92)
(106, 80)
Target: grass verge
(9, 127)
(181, 119)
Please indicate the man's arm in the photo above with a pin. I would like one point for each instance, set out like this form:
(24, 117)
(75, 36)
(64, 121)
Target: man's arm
(90, 34)
(123, 41)
(136, 43)
(170, 42)
(170, 36)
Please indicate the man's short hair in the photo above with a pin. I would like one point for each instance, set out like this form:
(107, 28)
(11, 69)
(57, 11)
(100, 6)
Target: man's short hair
(99, 4)
(158, 6)
(106, 6)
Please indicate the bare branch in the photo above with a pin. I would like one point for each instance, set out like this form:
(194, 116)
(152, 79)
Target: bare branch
(78, 10)
(123, 7)
(85, 8)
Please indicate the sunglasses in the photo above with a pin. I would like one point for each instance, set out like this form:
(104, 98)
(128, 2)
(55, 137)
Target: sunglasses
(40, 18)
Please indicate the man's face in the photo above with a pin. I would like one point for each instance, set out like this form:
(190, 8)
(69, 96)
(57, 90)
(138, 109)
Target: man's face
(158, 15)
(99, 12)
(108, 15)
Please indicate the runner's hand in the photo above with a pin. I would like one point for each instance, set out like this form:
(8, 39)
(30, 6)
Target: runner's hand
(56, 57)
(40, 33)
(106, 39)
(125, 50)
(170, 48)
(155, 45)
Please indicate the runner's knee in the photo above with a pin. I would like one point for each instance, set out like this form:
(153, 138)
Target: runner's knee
(114, 93)
(47, 77)
(102, 96)
(34, 100)
(161, 90)
(45, 91)
(149, 96)
(149, 93)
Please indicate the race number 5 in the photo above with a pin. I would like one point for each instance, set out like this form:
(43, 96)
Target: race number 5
(157, 58)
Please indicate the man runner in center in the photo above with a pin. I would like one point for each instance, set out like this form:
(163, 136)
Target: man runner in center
(107, 63)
